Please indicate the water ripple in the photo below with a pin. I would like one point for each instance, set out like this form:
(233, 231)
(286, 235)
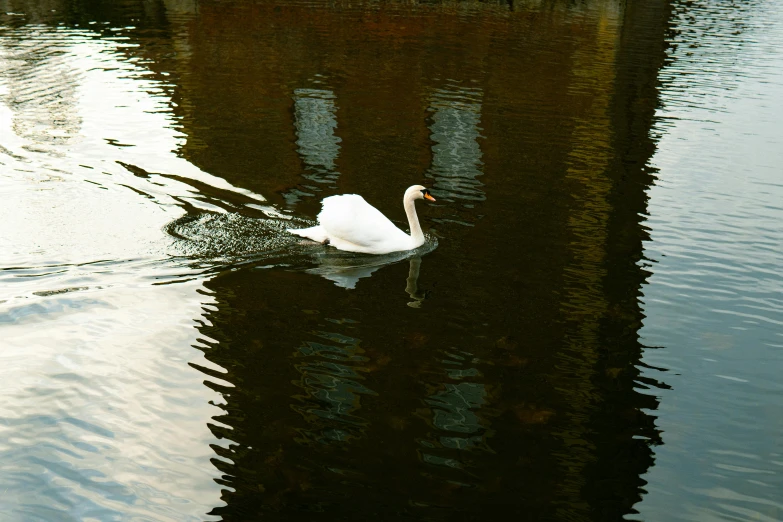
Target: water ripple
(713, 299)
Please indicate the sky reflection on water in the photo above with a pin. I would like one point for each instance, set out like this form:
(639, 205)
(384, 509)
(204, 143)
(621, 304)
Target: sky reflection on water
(716, 283)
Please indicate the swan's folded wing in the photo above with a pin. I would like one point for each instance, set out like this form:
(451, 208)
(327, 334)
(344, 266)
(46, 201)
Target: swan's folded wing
(351, 218)
(316, 233)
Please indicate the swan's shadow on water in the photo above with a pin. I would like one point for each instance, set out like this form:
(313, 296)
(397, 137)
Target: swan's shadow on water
(220, 240)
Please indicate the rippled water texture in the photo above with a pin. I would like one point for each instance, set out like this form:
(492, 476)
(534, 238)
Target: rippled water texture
(592, 330)
(714, 300)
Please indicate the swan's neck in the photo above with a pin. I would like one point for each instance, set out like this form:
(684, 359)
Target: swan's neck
(417, 236)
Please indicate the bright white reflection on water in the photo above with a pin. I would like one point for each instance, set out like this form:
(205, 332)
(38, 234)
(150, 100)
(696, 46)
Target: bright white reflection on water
(80, 204)
(120, 430)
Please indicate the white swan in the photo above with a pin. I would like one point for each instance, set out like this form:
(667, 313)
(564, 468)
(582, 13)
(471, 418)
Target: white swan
(349, 223)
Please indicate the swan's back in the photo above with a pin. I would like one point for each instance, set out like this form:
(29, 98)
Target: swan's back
(350, 218)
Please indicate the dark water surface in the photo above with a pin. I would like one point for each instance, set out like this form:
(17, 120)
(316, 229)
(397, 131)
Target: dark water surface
(593, 330)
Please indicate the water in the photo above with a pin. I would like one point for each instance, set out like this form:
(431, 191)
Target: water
(591, 332)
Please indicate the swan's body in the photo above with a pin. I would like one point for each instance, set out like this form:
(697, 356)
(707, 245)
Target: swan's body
(349, 223)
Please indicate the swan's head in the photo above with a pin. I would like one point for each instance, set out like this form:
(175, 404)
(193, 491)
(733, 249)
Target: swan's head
(418, 192)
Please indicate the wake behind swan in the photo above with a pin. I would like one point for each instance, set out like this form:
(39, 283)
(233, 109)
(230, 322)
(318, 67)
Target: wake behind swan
(229, 239)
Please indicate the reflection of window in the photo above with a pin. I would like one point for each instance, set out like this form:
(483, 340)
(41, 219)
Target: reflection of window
(456, 161)
(315, 121)
(453, 407)
(314, 110)
(454, 410)
(332, 384)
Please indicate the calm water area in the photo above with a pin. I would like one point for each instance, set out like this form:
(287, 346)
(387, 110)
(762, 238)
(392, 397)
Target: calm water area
(593, 330)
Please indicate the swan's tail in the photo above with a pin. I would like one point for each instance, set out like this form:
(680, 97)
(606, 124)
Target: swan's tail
(316, 233)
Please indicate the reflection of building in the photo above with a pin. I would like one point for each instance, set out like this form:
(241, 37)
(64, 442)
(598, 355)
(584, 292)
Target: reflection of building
(545, 281)
(585, 300)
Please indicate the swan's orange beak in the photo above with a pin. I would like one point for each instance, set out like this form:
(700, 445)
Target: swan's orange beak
(428, 196)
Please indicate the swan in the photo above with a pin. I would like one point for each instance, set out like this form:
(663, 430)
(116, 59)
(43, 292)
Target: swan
(347, 222)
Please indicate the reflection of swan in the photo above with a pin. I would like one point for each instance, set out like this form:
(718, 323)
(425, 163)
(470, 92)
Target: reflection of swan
(346, 270)
(344, 277)
(412, 283)
(349, 223)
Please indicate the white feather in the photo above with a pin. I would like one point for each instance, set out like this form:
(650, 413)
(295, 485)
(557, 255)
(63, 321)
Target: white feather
(349, 223)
